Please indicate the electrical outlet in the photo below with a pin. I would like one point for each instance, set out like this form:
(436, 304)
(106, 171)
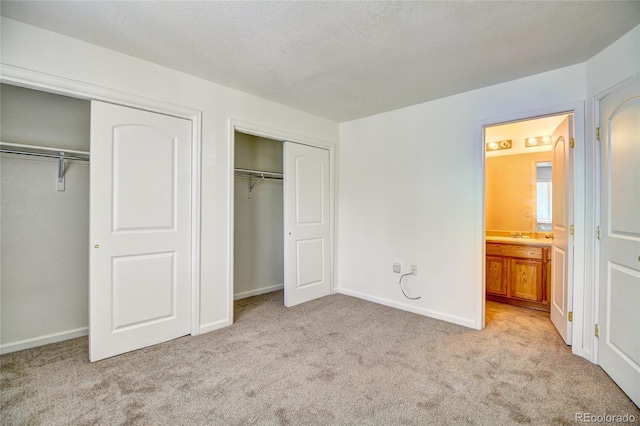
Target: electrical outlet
(396, 267)
(414, 269)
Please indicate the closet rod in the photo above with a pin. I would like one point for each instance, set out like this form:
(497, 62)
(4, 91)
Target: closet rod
(44, 148)
(259, 172)
(258, 177)
(43, 154)
(14, 148)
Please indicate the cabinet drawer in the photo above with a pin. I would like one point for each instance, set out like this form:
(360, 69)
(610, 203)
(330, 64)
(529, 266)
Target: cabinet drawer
(514, 250)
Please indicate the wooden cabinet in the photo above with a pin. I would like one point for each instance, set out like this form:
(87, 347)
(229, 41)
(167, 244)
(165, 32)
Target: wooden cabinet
(518, 274)
(496, 273)
(525, 279)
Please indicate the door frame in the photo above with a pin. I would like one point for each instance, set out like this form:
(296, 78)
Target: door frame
(75, 89)
(577, 298)
(242, 126)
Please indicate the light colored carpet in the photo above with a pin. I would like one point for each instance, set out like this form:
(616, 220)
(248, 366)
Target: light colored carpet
(337, 360)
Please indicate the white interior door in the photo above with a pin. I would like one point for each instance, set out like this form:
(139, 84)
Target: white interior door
(140, 229)
(562, 249)
(619, 281)
(307, 223)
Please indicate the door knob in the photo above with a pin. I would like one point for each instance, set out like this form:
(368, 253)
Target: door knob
(96, 246)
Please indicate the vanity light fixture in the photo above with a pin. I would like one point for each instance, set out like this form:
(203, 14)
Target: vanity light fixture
(498, 145)
(537, 141)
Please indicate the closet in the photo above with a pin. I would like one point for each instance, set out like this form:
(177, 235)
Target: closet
(44, 217)
(258, 216)
(135, 202)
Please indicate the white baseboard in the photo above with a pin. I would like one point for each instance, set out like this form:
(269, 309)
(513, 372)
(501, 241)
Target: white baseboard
(216, 325)
(416, 310)
(258, 291)
(43, 340)
(212, 326)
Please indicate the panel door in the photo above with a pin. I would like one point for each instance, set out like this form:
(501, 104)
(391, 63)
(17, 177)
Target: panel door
(619, 264)
(307, 223)
(525, 279)
(496, 269)
(140, 229)
(562, 249)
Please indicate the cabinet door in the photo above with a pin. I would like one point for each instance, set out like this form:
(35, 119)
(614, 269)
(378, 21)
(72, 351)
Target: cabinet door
(525, 279)
(496, 271)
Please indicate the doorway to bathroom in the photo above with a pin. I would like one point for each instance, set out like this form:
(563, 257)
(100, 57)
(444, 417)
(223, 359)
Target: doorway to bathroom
(528, 215)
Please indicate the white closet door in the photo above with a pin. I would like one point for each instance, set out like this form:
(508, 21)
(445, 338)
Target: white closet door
(140, 229)
(619, 317)
(562, 250)
(307, 223)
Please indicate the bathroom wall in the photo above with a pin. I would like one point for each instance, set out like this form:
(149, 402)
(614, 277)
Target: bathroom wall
(511, 191)
(258, 219)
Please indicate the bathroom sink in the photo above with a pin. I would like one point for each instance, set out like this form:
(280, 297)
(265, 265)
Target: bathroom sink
(520, 240)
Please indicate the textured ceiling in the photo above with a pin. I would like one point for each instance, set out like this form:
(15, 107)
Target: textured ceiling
(344, 60)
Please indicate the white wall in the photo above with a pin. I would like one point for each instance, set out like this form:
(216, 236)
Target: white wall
(258, 221)
(410, 181)
(45, 119)
(31, 48)
(45, 232)
(411, 190)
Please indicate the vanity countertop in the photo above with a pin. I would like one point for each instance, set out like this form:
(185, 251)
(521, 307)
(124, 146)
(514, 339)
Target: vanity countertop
(526, 241)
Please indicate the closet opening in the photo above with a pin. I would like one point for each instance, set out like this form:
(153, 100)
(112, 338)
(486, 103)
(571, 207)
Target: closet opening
(142, 186)
(529, 209)
(282, 218)
(44, 220)
(258, 216)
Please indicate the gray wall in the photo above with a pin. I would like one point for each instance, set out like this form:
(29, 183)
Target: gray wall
(258, 230)
(44, 232)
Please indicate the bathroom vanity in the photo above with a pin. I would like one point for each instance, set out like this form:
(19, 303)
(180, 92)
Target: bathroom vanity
(518, 271)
